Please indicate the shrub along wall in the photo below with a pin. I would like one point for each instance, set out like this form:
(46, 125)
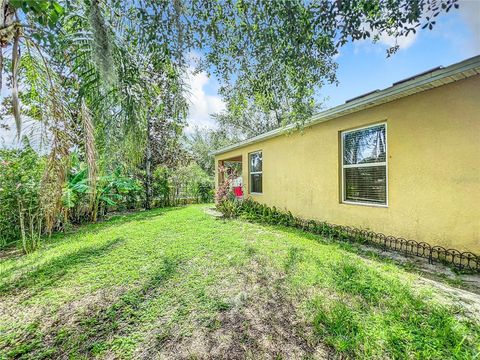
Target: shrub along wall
(254, 211)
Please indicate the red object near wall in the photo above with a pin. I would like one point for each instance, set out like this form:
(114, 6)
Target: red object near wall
(237, 190)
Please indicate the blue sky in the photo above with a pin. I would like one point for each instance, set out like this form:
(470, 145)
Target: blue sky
(363, 66)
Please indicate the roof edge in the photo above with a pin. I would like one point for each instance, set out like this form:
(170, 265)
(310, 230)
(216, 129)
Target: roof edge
(369, 100)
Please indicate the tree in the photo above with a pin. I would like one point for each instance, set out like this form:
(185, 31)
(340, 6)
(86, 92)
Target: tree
(273, 54)
(251, 120)
(98, 68)
(201, 142)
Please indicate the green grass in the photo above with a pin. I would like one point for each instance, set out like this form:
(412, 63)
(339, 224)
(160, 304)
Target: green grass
(178, 283)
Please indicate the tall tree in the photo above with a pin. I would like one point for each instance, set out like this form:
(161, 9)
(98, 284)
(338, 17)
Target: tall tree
(273, 54)
(201, 142)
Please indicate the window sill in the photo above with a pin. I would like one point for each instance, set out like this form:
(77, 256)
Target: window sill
(365, 204)
(253, 193)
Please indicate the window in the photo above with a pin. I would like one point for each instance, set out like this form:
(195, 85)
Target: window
(364, 165)
(255, 166)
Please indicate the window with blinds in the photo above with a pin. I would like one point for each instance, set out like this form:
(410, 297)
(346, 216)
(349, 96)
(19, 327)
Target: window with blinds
(364, 165)
(256, 172)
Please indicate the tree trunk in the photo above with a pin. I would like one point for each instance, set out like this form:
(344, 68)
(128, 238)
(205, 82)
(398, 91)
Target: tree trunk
(148, 166)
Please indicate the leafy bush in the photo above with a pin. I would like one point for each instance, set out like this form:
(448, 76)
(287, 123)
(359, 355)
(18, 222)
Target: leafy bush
(225, 200)
(20, 213)
(161, 187)
(113, 191)
(185, 184)
(224, 192)
(76, 193)
(204, 190)
(230, 208)
(118, 192)
(254, 211)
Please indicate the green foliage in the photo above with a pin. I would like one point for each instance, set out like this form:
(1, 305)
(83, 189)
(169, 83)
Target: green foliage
(182, 185)
(161, 186)
(273, 56)
(43, 12)
(20, 212)
(21, 174)
(203, 189)
(251, 210)
(114, 191)
(254, 211)
(229, 208)
(201, 142)
(20, 185)
(76, 188)
(118, 190)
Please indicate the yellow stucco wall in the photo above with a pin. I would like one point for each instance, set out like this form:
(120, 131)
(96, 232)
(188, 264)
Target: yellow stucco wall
(433, 168)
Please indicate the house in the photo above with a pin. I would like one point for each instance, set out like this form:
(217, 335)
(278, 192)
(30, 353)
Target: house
(403, 161)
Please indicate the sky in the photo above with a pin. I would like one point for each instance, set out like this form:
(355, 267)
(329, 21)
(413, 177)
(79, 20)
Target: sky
(363, 66)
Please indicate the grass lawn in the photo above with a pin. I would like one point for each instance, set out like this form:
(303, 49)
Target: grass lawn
(179, 283)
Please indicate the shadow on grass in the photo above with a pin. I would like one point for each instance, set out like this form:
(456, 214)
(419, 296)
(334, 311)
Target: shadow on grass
(96, 327)
(49, 273)
(119, 318)
(373, 316)
(407, 263)
(367, 312)
(59, 238)
(116, 220)
(104, 224)
(294, 256)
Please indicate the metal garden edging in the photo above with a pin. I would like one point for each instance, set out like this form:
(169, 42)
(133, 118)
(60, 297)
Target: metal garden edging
(462, 260)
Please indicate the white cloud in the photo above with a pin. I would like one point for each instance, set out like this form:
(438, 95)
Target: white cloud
(203, 100)
(403, 42)
(470, 12)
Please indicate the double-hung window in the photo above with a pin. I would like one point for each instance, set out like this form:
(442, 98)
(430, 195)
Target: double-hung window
(364, 165)
(255, 164)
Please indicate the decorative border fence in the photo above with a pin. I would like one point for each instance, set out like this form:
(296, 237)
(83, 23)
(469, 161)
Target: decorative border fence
(460, 260)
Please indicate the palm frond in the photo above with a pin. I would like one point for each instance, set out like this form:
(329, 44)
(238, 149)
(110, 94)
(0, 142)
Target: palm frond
(15, 62)
(90, 150)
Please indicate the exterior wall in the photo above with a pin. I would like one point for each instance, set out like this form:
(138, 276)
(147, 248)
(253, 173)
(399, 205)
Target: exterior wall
(433, 168)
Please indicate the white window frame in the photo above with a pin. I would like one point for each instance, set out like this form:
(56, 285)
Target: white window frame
(385, 163)
(250, 173)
